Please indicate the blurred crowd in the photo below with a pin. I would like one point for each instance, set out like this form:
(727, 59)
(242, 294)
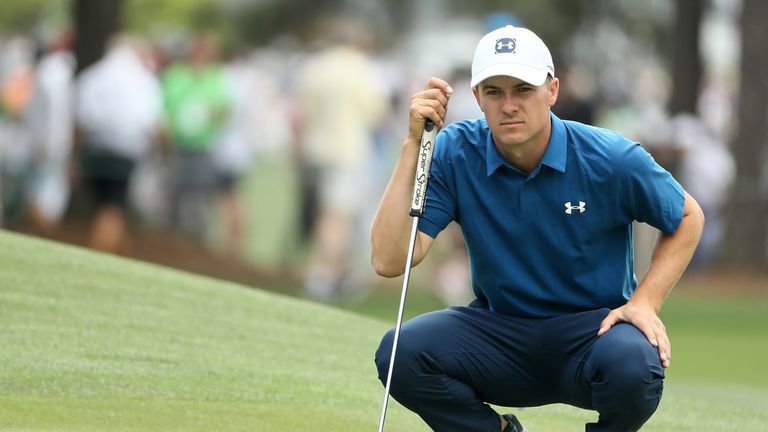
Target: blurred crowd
(162, 134)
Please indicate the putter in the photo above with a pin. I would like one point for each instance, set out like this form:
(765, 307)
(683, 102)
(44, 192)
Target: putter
(417, 210)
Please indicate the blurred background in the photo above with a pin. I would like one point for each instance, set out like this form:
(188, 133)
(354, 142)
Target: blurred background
(251, 140)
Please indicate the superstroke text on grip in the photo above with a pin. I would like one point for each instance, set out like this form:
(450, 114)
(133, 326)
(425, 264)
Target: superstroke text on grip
(423, 166)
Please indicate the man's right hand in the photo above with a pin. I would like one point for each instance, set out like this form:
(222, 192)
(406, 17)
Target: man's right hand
(390, 228)
(430, 103)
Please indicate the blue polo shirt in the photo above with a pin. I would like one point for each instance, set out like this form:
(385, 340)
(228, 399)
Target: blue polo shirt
(556, 241)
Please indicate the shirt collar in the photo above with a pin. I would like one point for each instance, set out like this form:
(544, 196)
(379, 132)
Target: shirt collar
(554, 157)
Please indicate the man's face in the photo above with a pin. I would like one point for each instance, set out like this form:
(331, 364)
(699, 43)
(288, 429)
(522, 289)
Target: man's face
(517, 112)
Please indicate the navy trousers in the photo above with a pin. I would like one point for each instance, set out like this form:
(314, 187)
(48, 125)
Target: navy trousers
(451, 364)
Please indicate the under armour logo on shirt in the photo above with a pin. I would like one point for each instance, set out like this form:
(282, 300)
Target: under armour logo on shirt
(506, 45)
(569, 208)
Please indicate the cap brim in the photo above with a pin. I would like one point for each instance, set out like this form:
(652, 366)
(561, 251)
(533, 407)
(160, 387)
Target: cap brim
(528, 74)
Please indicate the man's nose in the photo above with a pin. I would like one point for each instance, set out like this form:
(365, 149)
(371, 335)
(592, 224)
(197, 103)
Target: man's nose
(511, 104)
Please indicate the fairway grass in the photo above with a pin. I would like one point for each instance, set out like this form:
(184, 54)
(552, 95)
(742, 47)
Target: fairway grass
(90, 342)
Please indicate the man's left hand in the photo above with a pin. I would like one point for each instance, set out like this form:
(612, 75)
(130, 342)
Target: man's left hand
(643, 317)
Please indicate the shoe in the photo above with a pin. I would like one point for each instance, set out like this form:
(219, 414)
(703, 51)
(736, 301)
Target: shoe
(513, 424)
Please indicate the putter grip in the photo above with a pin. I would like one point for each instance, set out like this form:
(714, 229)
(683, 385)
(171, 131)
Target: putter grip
(426, 148)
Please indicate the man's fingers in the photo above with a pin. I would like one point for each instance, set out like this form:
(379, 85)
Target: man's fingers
(649, 333)
(665, 355)
(607, 323)
(665, 347)
(438, 105)
(432, 94)
(431, 107)
(428, 110)
(437, 83)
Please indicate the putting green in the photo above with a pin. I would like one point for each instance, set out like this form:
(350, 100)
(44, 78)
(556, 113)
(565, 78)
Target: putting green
(95, 342)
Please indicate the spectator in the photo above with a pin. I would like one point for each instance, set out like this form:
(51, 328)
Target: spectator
(49, 120)
(233, 156)
(340, 102)
(16, 81)
(197, 108)
(118, 110)
(575, 101)
(708, 170)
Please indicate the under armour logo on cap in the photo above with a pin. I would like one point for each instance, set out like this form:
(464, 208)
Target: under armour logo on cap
(505, 45)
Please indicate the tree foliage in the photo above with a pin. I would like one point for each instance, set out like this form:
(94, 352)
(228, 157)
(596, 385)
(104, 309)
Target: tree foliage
(151, 15)
(21, 15)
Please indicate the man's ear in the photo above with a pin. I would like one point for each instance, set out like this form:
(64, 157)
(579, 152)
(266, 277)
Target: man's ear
(477, 97)
(554, 89)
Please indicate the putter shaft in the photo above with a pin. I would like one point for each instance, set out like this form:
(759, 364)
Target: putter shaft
(398, 324)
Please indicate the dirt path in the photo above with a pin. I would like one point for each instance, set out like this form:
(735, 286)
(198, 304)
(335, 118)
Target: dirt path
(164, 248)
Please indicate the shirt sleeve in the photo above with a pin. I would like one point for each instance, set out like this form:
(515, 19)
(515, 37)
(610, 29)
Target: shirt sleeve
(440, 207)
(648, 192)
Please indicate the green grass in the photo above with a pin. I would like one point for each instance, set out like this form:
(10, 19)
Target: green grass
(90, 342)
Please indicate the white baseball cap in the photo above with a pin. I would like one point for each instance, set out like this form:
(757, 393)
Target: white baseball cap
(512, 51)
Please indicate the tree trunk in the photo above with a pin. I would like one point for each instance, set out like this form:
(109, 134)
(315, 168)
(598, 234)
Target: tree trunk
(747, 240)
(686, 57)
(95, 21)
